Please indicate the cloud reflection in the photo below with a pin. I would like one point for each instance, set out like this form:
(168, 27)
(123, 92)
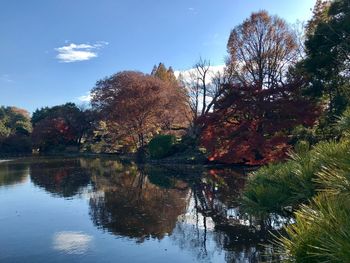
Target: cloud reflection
(71, 242)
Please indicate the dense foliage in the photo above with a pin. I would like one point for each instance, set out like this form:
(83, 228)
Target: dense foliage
(15, 128)
(138, 106)
(251, 125)
(328, 54)
(161, 146)
(314, 184)
(59, 127)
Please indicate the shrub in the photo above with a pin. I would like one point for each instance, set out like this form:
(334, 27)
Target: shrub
(267, 190)
(274, 187)
(321, 232)
(301, 133)
(302, 147)
(16, 144)
(161, 146)
(344, 123)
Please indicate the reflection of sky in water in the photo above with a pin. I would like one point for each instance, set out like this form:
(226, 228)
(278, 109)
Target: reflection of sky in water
(193, 218)
(46, 202)
(71, 242)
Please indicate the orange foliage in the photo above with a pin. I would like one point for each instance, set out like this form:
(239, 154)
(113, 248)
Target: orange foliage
(138, 105)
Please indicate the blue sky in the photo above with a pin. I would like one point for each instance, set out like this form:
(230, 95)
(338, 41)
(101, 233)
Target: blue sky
(53, 51)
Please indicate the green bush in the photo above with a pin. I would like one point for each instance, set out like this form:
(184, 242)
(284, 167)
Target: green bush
(321, 232)
(317, 184)
(275, 187)
(267, 190)
(161, 146)
(301, 133)
(302, 147)
(343, 123)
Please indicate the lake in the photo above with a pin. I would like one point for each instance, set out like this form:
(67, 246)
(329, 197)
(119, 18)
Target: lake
(106, 210)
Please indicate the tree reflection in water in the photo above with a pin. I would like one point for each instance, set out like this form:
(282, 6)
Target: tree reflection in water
(194, 211)
(131, 205)
(195, 208)
(211, 221)
(12, 172)
(60, 177)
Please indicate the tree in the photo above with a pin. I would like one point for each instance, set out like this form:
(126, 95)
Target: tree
(60, 126)
(252, 125)
(328, 54)
(177, 114)
(15, 128)
(260, 105)
(204, 86)
(164, 73)
(260, 50)
(14, 120)
(136, 105)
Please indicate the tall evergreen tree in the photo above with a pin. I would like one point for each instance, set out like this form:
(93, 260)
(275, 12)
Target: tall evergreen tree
(328, 54)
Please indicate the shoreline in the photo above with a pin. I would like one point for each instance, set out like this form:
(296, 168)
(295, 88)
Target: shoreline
(168, 161)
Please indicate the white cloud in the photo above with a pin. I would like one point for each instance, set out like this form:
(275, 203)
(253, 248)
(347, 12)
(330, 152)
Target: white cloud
(189, 74)
(213, 70)
(85, 98)
(71, 242)
(78, 52)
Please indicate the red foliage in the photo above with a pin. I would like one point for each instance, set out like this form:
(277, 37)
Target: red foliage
(49, 132)
(59, 127)
(251, 125)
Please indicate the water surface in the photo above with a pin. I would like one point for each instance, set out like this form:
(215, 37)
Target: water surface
(105, 210)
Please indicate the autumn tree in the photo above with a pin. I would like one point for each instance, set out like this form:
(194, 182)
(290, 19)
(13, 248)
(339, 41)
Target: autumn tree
(252, 119)
(55, 128)
(261, 49)
(136, 105)
(177, 113)
(164, 73)
(252, 125)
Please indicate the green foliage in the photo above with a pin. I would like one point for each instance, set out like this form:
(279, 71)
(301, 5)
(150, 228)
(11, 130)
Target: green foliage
(278, 186)
(161, 146)
(328, 50)
(4, 130)
(15, 128)
(344, 123)
(302, 133)
(16, 144)
(302, 147)
(321, 232)
(14, 119)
